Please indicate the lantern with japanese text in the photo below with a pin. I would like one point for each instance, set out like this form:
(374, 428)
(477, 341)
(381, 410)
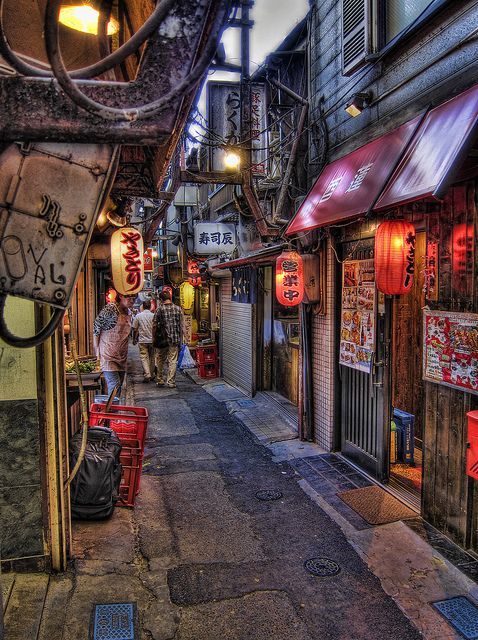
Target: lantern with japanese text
(127, 261)
(194, 276)
(289, 279)
(395, 257)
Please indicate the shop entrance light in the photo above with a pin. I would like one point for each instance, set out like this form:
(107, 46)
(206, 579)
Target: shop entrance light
(83, 16)
(357, 104)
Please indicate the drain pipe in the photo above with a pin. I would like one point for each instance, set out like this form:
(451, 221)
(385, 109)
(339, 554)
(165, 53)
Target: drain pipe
(281, 201)
(307, 404)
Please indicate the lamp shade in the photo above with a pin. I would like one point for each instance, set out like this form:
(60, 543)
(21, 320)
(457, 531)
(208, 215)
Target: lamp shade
(127, 261)
(289, 279)
(395, 257)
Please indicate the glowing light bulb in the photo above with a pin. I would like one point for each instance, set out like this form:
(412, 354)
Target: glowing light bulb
(232, 160)
(85, 19)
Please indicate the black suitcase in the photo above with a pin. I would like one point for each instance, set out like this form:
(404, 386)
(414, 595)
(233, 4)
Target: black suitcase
(95, 488)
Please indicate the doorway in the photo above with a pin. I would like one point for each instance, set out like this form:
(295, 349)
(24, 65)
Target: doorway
(407, 388)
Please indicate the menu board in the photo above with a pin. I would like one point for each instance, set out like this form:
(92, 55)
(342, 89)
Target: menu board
(357, 321)
(450, 354)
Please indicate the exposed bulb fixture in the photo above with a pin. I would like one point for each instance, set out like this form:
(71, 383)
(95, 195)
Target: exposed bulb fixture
(84, 18)
(357, 104)
(115, 219)
(232, 160)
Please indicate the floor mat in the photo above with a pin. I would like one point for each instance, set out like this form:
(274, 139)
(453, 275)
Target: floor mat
(375, 505)
(410, 476)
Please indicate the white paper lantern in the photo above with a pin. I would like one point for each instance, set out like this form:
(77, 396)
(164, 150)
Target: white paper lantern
(127, 261)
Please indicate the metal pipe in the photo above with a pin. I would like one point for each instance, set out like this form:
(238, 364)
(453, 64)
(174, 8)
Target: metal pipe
(127, 114)
(288, 91)
(33, 341)
(277, 217)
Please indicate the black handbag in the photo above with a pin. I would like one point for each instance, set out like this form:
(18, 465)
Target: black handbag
(95, 488)
(160, 335)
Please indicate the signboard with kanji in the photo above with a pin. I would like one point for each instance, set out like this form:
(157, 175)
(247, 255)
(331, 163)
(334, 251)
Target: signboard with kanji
(224, 120)
(214, 238)
(450, 349)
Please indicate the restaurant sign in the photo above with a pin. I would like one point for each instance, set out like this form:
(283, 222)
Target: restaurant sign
(224, 121)
(214, 238)
(450, 354)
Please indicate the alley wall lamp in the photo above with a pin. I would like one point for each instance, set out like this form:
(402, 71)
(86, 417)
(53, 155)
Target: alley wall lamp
(358, 103)
(83, 16)
(232, 159)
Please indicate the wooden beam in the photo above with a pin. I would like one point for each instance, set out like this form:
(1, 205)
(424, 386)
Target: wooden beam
(211, 177)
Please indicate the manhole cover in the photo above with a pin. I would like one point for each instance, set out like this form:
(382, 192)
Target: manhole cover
(322, 567)
(462, 614)
(114, 621)
(269, 494)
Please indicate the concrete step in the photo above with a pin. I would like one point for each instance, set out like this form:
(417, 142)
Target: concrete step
(25, 606)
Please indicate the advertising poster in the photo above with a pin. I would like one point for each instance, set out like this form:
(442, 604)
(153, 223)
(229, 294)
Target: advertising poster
(450, 354)
(357, 323)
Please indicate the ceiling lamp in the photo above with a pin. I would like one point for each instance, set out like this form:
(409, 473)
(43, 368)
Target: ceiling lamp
(115, 219)
(84, 18)
(358, 103)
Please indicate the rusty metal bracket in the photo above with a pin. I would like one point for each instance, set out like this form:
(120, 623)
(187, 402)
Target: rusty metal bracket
(168, 58)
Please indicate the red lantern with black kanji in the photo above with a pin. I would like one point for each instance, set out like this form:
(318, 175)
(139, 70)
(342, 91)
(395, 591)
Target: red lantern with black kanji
(395, 257)
(194, 276)
(289, 279)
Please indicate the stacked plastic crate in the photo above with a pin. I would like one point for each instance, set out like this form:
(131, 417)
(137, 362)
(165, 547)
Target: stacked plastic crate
(130, 424)
(207, 359)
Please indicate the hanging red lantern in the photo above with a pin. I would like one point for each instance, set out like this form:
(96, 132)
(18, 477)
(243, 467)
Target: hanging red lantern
(194, 276)
(127, 261)
(394, 257)
(289, 279)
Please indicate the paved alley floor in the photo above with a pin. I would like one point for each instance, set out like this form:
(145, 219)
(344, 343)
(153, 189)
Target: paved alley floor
(204, 559)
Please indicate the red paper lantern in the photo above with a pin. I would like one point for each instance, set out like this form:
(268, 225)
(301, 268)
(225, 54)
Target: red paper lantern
(289, 279)
(395, 257)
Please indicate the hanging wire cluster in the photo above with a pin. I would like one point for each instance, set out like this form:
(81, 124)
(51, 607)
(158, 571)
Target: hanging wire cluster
(67, 79)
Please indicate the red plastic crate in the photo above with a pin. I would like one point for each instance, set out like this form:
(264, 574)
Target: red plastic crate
(206, 354)
(209, 370)
(131, 458)
(127, 422)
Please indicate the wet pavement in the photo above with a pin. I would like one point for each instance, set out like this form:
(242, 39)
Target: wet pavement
(204, 559)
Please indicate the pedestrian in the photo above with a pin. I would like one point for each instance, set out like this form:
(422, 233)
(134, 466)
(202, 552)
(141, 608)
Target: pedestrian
(143, 334)
(167, 337)
(112, 328)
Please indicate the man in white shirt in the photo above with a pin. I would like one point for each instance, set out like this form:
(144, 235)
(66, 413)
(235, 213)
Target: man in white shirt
(142, 334)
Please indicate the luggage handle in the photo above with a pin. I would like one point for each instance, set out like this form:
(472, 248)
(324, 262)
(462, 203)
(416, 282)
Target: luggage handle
(108, 406)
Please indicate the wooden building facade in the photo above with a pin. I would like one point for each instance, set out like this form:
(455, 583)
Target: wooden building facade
(401, 66)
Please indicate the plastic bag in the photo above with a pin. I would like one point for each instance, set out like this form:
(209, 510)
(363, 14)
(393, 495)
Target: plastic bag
(185, 359)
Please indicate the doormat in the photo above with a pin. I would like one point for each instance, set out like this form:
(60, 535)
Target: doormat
(115, 621)
(462, 614)
(375, 505)
(410, 476)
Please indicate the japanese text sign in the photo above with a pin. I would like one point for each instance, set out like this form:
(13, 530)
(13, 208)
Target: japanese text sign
(127, 261)
(214, 238)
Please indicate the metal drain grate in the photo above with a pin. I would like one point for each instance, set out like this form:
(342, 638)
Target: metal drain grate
(268, 494)
(114, 621)
(322, 567)
(462, 614)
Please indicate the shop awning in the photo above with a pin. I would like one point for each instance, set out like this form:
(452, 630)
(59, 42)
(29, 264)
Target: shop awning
(348, 187)
(436, 153)
(255, 257)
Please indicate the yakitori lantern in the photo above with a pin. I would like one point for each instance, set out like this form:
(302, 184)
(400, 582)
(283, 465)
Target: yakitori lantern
(289, 279)
(194, 276)
(127, 261)
(395, 257)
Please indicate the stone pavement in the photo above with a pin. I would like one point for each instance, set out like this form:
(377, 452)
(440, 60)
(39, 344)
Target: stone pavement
(204, 559)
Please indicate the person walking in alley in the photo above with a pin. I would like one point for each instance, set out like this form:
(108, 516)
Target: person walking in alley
(143, 334)
(167, 336)
(112, 328)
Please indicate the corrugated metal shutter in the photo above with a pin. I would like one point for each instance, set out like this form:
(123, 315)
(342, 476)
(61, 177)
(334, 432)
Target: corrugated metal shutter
(236, 340)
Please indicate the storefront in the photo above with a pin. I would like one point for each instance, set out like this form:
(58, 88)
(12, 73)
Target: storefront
(407, 366)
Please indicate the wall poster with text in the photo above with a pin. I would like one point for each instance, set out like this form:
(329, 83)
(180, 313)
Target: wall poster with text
(450, 353)
(357, 321)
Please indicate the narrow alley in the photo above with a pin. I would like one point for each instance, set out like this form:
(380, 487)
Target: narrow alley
(204, 559)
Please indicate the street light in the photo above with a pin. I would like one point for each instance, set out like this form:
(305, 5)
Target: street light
(232, 159)
(357, 104)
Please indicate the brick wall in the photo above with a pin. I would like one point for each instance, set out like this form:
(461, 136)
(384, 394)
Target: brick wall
(323, 362)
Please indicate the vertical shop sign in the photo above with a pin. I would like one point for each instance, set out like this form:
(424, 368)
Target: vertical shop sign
(357, 325)
(224, 121)
(431, 272)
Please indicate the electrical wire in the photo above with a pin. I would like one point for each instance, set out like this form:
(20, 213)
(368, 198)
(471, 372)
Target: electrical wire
(127, 114)
(160, 12)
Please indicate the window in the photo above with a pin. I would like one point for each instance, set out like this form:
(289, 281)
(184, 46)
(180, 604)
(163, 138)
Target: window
(369, 25)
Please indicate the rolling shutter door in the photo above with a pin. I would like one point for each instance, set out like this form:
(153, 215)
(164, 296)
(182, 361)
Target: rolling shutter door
(236, 340)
